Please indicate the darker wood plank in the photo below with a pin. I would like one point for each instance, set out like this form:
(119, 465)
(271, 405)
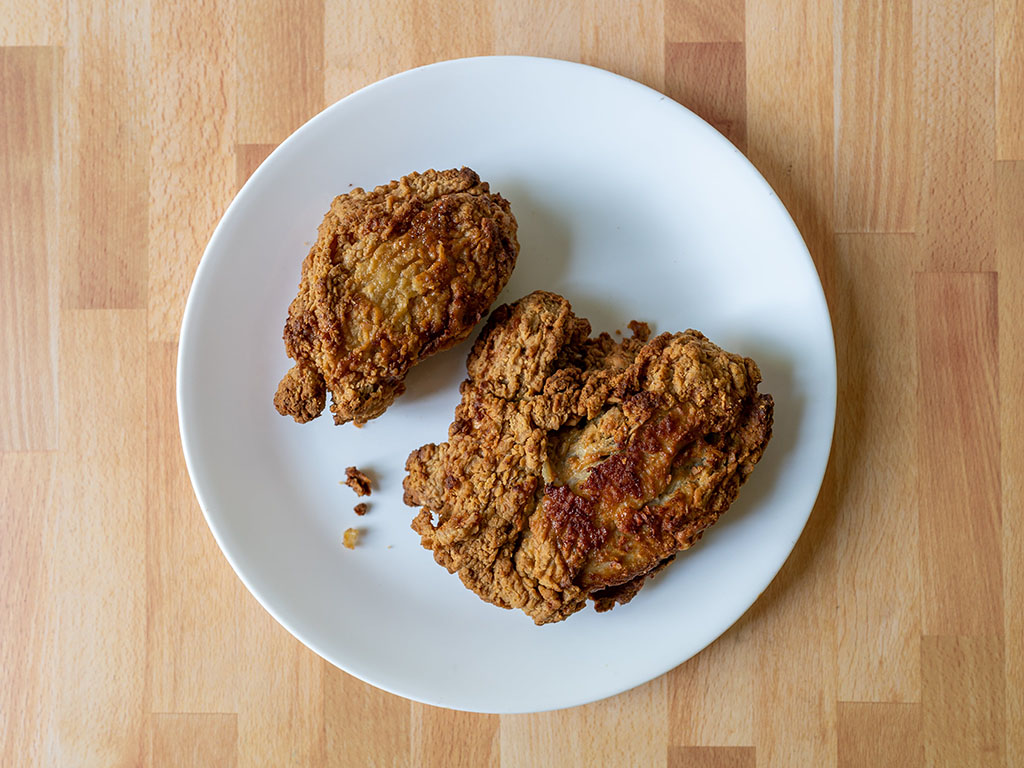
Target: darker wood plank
(872, 734)
(694, 21)
(364, 725)
(955, 83)
(29, 252)
(962, 701)
(194, 740)
(444, 738)
(711, 80)
(711, 757)
(106, 135)
(280, 57)
(876, 152)
(1010, 252)
(958, 453)
(247, 159)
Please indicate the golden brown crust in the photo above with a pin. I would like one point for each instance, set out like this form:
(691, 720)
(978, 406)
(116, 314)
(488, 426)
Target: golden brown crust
(576, 467)
(358, 481)
(396, 274)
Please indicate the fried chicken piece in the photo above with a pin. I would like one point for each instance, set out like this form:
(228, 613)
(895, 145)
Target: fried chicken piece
(576, 467)
(396, 274)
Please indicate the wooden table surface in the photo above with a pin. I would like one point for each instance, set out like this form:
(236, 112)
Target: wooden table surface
(894, 132)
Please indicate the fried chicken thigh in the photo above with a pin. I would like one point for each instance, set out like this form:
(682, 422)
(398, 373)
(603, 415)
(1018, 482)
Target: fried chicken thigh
(396, 274)
(576, 467)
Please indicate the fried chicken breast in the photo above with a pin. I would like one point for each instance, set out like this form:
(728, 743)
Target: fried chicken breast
(576, 467)
(396, 274)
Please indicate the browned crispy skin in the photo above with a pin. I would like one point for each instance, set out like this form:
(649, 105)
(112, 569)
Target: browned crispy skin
(576, 467)
(396, 274)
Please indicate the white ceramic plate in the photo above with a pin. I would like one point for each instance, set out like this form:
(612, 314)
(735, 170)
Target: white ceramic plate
(631, 207)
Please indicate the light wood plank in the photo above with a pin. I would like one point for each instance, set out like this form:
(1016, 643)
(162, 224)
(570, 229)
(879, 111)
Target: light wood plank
(712, 757)
(191, 161)
(872, 734)
(366, 41)
(627, 38)
(695, 21)
(628, 729)
(876, 152)
(879, 566)
(1009, 23)
(710, 79)
(796, 640)
(790, 113)
(106, 152)
(26, 570)
(790, 140)
(281, 695)
(1010, 249)
(958, 453)
(954, 81)
(29, 102)
(364, 726)
(542, 28)
(711, 697)
(280, 72)
(444, 738)
(193, 595)
(962, 700)
(99, 584)
(27, 24)
(194, 740)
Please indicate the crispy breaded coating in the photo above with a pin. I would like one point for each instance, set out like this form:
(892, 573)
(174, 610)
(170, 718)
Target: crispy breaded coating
(576, 467)
(357, 480)
(396, 274)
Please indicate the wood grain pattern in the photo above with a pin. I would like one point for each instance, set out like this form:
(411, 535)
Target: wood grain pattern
(194, 740)
(962, 701)
(1009, 22)
(27, 519)
(892, 131)
(106, 147)
(1010, 251)
(192, 644)
(958, 452)
(695, 21)
(99, 542)
(280, 55)
(872, 734)
(29, 187)
(875, 130)
(191, 170)
(711, 697)
(630, 729)
(954, 82)
(712, 757)
(878, 611)
(710, 79)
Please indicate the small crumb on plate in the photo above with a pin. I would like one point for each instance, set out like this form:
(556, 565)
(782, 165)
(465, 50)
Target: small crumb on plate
(350, 538)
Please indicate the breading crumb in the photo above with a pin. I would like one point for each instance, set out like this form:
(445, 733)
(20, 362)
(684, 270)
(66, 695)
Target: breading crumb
(361, 509)
(641, 331)
(350, 538)
(357, 481)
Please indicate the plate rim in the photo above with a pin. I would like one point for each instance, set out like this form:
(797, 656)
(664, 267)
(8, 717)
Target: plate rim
(246, 190)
